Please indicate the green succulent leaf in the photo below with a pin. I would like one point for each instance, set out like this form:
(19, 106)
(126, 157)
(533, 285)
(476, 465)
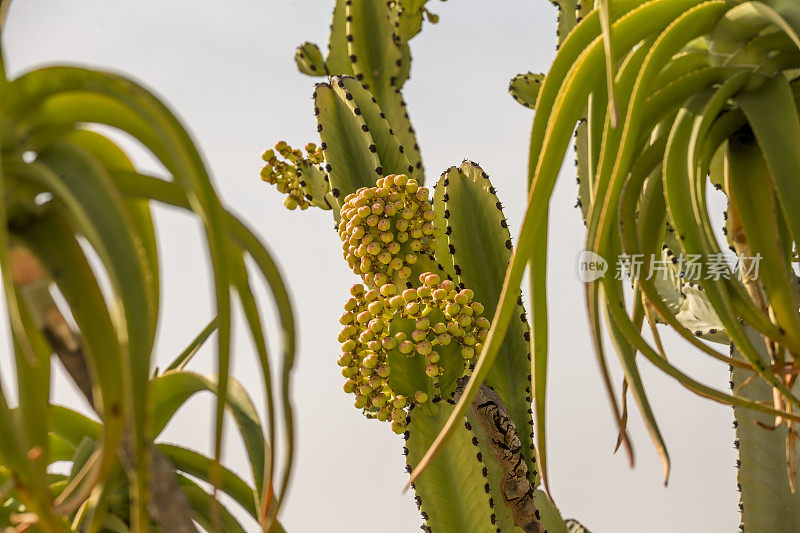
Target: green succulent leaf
(112, 156)
(141, 186)
(52, 240)
(186, 355)
(201, 467)
(67, 96)
(209, 512)
(172, 389)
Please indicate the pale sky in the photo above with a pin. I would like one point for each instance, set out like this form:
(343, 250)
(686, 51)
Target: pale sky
(227, 70)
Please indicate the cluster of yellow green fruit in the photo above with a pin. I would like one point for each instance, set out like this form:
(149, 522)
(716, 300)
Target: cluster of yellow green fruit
(287, 175)
(387, 327)
(385, 228)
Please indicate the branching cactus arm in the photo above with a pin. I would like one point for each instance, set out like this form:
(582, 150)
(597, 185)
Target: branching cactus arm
(767, 500)
(478, 239)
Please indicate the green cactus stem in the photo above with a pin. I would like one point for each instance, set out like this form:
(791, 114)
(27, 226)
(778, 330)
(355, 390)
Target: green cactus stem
(309, 60)
(337, 62)
(346, 143)
(766, 500)
(568, 16)
(524, 88)
(379, 62)
(506, 470)
(410, 346)
(391, 154)
(582, 170)
(452, 495)
(480, 245)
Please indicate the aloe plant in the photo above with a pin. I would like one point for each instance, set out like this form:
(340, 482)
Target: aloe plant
(431, 265)
(70, 193)
(668, 98)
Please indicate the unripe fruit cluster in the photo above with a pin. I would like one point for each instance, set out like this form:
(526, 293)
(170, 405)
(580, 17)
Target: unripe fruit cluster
(438, 318)
(385, 228)
(287, 175)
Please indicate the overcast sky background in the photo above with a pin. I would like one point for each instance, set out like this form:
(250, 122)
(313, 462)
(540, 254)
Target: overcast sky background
(226, 68)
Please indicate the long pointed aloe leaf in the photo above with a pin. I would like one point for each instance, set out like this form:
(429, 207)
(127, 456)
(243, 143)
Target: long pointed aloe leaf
(171, 390)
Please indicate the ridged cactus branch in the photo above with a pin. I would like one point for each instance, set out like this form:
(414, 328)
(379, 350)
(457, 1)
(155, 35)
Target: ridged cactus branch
(767, 502)
(309, 60)
(453, 496)
(391, 153)
(375, 50)
(512, 476)
(524, 88)
(346, 143)
(479, 242)
(431, 270)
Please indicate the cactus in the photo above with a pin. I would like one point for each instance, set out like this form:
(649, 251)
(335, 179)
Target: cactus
(524, 88)
(431, 271)
(480, 244)
(768, 497)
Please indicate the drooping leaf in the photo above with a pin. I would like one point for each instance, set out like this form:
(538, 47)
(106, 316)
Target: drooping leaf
(172, 389)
